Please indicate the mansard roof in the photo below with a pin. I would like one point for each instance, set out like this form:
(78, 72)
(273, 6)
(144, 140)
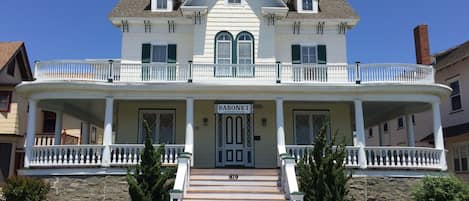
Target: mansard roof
(328, 9)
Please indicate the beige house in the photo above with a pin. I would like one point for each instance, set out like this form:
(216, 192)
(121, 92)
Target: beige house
(14, 68)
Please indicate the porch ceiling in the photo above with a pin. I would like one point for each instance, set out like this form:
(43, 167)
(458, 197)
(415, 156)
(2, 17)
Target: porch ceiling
(376, 112)
(86, 110)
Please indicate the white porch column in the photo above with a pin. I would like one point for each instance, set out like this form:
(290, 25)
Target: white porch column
(58, 127)
(107, 138)
(381, 134)
(30, 132)
(85, 133)
(280, 129)
(410, 131)
(360, 127)
(438, 134)
(189, 146)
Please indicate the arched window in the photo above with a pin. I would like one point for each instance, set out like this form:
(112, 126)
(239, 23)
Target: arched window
(223, 48)
(245, 48)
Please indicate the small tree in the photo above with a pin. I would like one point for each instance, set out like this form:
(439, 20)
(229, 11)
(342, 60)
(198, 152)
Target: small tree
(323, 176)
(441, 189)
(150, 181)
(25, 189)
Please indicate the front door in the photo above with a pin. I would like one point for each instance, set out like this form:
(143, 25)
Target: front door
(234, 140)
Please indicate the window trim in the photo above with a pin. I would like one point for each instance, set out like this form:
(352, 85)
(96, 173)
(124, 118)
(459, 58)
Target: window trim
(169, 6)
(309, 46)
(141, 138)
(310, 113)
(314, 3)
(451, 96)
(10, 97)
(152, 50)
(251, 42)
(241, 2)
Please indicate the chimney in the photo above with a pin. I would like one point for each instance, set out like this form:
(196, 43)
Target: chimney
(422, 45)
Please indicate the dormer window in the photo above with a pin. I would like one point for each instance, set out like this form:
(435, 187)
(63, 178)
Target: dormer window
(307, 6)
(161, 5)
(234, 1)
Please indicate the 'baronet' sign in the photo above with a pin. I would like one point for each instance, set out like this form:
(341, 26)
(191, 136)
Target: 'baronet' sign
(233, 108)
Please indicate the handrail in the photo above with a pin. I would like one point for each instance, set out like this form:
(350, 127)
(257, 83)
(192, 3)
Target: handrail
(181, 183)
(268, 73)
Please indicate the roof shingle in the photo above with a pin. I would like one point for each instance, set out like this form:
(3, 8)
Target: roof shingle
(7, 51)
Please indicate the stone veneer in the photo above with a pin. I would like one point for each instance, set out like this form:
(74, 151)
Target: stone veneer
(382, 188)
(87, 188)
(93, 188)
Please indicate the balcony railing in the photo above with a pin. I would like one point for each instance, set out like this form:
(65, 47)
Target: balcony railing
(110, 71)
(92, 155)
(382, 157)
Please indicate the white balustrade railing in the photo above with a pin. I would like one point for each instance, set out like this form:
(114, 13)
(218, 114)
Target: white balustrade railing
(403, 157)
(44, 140)
(130, 154)
(105, 71)
(382, 157)
(66, 155)
(301, 151)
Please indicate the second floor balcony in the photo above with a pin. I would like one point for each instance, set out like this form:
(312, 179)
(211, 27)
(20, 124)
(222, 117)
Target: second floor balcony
(253, 74)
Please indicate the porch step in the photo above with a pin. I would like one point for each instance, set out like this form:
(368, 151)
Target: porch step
(250, 184)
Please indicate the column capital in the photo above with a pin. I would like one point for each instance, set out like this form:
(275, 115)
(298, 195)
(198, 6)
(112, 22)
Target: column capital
(109, 97)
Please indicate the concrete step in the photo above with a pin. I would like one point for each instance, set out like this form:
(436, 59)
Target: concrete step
(233, 183)
(234, 189)
(235, 196)
(253, 172)
(240, 178)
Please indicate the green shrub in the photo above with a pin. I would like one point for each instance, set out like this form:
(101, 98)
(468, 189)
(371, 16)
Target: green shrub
(323, 176)
(441, 189)
(25, 189)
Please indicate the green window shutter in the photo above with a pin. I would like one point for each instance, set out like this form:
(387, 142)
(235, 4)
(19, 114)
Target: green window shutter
(296, 54)
(146, 53)
(172, 53)
(322, 54)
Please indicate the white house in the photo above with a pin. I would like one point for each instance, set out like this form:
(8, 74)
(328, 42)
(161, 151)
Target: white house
(229, 84)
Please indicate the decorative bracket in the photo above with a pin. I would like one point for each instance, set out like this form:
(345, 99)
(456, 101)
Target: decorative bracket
(197, 18)
(320, 27)
(147, 26)
(296, 27)
(171, 26)
(125, 26)
(343, 27)
(271, 20)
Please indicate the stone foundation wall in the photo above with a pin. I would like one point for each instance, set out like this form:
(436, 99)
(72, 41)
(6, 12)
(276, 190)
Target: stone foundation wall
(94, 188)
(87, 188)
(382, 188)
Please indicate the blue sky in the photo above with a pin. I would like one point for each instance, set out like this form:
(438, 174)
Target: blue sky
(63, 29)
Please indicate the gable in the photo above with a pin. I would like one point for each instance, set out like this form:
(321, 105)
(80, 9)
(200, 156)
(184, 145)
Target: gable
(14, 63)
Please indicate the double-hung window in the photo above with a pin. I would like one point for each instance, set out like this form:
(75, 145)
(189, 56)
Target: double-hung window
(309, 56)
(245, 55)
(307, 5)
(5, 101)
(158, 62)
(460, 154)
(308, 124)
(234, 1)
(224, 54)
(161, 4)
(455, 96)
(159, 124)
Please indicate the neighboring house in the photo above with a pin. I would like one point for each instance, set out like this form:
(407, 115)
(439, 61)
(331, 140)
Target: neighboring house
(230, 84)
(14, 68)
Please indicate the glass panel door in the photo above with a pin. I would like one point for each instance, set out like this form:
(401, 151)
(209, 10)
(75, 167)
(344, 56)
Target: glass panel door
(159, 124)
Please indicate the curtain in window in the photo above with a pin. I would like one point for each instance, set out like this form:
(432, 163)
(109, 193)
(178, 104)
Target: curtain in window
(223, 55)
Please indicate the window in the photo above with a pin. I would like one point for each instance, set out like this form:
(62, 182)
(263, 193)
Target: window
(370, 132)
(455, 96)
(223, 54)
(245, 54)
(460, 154)
(159, 54)
(385, 127)
(400, 123)
(307, 4)
(48, 123)
(413, 120)
(308, 124)
(160, 124)
(308, 55)
(11, 67)
(234, 1)
(5, 101)
(161, 4)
